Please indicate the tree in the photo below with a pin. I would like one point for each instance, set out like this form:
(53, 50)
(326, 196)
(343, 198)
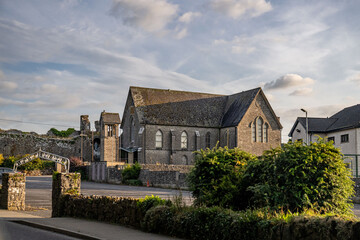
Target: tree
(217, 175)
(298, 177)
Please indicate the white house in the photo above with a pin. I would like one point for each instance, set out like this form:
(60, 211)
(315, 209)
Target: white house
(343, 128)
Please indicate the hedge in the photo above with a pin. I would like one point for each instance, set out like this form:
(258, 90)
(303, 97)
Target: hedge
(208, 223)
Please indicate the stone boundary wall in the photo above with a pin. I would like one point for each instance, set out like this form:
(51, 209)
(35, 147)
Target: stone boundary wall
(27, 143)
(155, 178)
(167, 167)
(63, 184)
(12, 195)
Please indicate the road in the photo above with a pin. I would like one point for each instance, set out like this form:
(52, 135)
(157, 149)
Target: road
(38, 191)
(14, 231)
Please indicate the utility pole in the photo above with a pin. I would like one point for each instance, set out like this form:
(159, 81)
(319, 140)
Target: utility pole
(307, 126)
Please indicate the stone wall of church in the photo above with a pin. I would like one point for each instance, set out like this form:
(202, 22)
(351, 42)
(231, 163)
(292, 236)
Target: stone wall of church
(258, 108)
(171, 152)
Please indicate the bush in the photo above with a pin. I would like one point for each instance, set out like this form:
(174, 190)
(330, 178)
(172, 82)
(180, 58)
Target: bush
(63, 133)
(36, 164)
(151, 201)
(131, 172)
(299, 177)
(216, 177)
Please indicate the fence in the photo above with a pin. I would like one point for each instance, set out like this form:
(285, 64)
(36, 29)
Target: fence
(353, 163)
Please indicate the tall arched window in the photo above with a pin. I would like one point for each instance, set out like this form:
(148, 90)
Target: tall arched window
(207, 140)
(253, 132)
(266, 127)
(132, 130)
(184, 140)
(259, 128)
(158, 139)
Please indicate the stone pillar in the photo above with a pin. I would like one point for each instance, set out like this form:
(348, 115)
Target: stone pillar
(63, 183)
(13, 191)
(58, 167)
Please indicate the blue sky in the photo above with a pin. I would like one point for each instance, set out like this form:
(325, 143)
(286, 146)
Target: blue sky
(61, 59)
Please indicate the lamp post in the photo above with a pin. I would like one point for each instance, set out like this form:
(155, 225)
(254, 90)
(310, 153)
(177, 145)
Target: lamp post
(307, 126)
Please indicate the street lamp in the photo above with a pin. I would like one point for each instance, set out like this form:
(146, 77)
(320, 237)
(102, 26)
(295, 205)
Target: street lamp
(307, 126)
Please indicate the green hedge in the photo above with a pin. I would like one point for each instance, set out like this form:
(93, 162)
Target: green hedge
(159, 216)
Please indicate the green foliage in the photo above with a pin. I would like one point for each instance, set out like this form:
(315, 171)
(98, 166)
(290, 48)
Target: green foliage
(131, 172)
(299, 177)
(1, 159)
(9, 162)
(202, 223)
(36, 164)
(151, 201)
(63, 133)
(216, 177)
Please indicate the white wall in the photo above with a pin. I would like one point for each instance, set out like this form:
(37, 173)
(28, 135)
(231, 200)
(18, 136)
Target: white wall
(299, 135)
(347, 147)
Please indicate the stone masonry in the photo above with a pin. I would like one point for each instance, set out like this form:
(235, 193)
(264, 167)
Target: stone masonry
(13, 191)
(63, 183)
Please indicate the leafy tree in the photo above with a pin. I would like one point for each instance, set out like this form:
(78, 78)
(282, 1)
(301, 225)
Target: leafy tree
(63, 133)
(217, 175)
(299, 177)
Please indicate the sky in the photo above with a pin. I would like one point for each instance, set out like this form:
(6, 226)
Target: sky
(63, 59)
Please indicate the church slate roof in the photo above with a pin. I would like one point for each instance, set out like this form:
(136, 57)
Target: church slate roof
(345, 119)
(178, 108)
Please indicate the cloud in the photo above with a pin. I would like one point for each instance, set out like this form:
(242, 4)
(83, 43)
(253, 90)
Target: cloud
(238, 8)
(189, 17)
(288, 80)
(181, 34)
(238, 45)
(301, 92)
(6, 85)
(49, 88)
(355, 78)
(150, 15)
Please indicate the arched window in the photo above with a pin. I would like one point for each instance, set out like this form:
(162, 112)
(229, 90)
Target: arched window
(266, 127)
(158, 139)
(253, 132)
(184, 140)
(132, 130)
(207, 140)
(259, 128)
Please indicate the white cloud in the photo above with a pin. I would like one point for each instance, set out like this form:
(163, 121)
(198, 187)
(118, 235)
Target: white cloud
(150, 15)
(49, 88)
(288, 80)
(6, 85)
(181, 34)
(189, 17)
(301, 92)
(355, 78)
(238, 8)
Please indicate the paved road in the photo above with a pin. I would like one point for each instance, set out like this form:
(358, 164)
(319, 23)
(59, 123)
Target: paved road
(38, 191)
(14, 231)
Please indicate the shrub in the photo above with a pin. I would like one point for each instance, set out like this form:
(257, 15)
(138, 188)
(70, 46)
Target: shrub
(63, 133)
(131, 172)
(299, 177)
(151, 201)
(216, 177)
(1, 159)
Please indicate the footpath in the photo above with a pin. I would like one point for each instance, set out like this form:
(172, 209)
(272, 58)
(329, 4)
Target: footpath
(78, 228)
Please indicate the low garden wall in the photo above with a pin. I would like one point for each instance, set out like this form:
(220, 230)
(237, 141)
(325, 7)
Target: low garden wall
(167, 176)
(206, 223)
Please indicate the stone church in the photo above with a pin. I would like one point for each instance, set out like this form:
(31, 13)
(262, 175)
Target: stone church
(167, 126)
